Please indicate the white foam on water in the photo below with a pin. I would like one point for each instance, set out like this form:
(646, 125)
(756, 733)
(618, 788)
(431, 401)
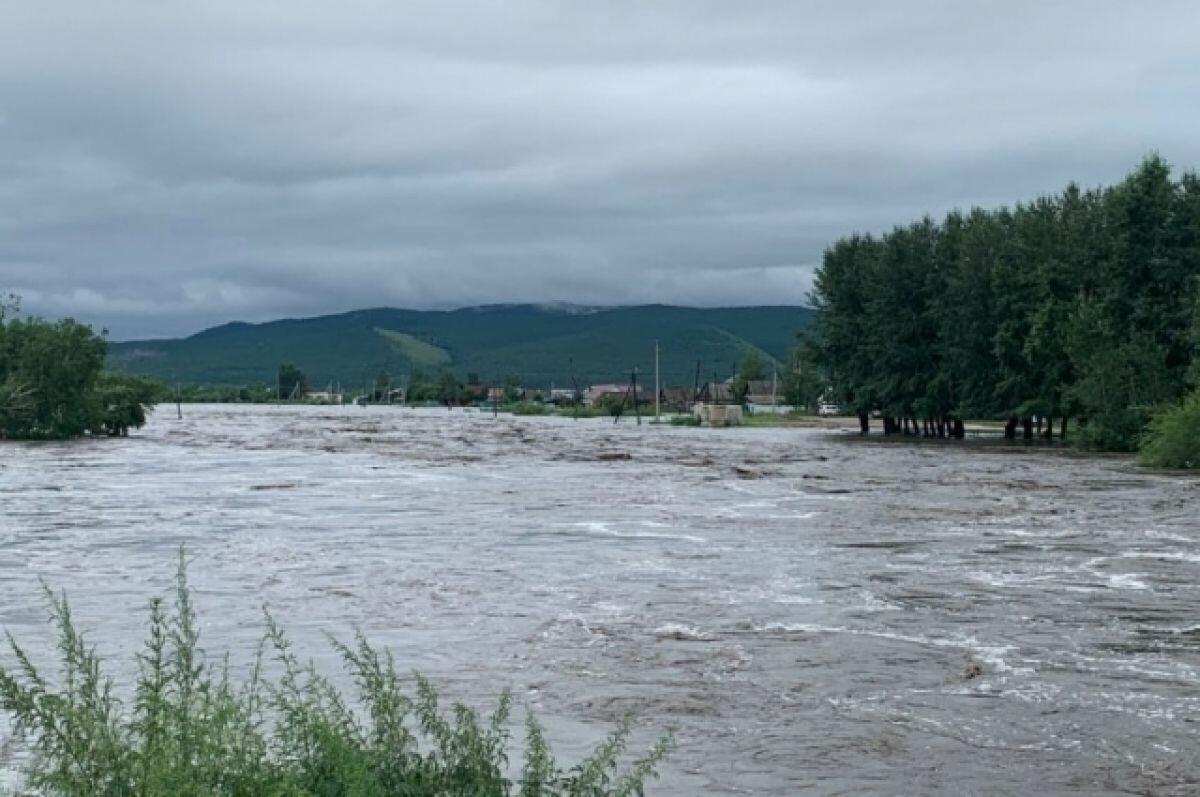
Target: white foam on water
(1130, 581)
(1166, 556)
(681, 631)
(991, 654)
(602, 529)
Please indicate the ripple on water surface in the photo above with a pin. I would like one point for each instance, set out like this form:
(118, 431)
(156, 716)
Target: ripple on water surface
(815, 616)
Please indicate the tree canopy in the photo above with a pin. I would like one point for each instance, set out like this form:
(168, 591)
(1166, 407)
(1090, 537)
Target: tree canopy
(1079, 305)
(52, 384)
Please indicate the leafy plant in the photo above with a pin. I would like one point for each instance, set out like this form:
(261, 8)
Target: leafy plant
(286, 731)
(1172, 439)
(1082, 305)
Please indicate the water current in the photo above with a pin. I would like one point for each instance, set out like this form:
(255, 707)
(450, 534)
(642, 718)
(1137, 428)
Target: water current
(815, 614)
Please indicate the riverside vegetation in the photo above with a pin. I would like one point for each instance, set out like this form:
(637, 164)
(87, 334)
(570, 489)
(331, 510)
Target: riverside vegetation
(287, 731)
(1083, 305)
(53, 384)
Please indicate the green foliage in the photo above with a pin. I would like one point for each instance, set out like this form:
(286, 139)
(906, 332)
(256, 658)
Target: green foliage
(287, 730)
(1078, 305)
(225, 394)
(52, 385)
(290, 382)
(1172, 439)
(48, 372)
(529, 408)
(685, 420)
(537, 343)
(803, 382)
(121, 402)
(441, 387)
(752, 366)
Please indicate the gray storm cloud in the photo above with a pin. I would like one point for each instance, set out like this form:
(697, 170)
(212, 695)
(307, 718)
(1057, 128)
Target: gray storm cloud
(170, 166)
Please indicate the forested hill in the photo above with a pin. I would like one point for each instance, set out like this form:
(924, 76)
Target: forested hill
(533, 342)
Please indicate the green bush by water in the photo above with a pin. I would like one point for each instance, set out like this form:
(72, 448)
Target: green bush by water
(685, 420)
(1173, 438)
(190, 731)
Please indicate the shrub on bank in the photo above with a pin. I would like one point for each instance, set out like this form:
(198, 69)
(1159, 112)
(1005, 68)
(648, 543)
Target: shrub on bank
(192, 731)
(1172, 439)
(1117, 430)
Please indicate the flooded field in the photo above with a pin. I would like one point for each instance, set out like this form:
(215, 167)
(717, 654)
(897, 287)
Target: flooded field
(814, 615)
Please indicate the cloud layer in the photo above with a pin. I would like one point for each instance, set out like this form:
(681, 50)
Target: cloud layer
(174, 165)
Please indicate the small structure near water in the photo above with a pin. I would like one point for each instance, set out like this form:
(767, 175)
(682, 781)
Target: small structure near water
(718, 414)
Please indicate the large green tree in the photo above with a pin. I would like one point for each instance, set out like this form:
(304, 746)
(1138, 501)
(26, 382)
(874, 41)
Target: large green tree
(1078, 305)
(52, 384)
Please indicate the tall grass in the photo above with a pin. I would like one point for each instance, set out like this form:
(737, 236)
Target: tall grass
(286, 731)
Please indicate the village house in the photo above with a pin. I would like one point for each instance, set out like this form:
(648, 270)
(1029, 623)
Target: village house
(600, 393)
(762, 392)
(676, 399)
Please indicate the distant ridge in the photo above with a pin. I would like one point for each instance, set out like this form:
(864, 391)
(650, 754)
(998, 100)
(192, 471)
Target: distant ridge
(538, 343)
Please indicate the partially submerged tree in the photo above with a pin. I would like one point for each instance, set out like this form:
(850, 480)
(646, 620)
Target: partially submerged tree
(52, 384)
(1078, 305)
(291, 382)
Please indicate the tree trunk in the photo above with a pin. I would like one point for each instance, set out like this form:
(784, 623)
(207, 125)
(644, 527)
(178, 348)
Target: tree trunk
(960, 431)
(864, 423)
(1049, 433)
(1027, 427)
(1062, 431)
(1010, 428)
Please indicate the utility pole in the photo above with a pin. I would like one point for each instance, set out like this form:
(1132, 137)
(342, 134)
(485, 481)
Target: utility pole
(636, 409)
(178, 402)
(774, 385)
(657, 388)
(578, 396)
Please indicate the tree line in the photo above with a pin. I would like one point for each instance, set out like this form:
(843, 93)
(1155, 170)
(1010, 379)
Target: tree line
(53, 384)
(1079, 306)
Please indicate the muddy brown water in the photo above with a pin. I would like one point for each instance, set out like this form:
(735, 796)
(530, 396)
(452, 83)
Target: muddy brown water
(816, 617)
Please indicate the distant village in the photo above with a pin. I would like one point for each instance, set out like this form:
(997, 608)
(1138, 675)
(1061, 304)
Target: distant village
(714, 402)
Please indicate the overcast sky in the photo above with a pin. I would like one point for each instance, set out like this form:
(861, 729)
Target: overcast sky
(167, 166)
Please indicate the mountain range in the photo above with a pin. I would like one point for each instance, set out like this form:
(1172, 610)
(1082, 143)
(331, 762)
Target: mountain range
(539, 344)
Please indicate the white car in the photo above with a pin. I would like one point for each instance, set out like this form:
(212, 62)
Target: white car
(826, 410)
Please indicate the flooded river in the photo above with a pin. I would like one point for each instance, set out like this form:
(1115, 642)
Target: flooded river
(815, 615)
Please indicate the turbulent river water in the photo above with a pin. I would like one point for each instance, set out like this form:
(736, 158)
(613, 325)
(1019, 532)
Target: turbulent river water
(815, 614)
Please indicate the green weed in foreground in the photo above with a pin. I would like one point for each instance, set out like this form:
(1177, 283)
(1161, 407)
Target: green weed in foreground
(192, 731)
